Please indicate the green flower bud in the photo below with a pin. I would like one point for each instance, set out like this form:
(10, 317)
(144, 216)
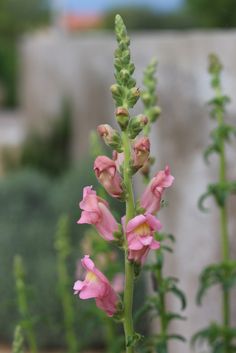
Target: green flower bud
(154, 113)
(125, 57)
(124, 74)
(117, 93)
(122, 117)
(136, 125)
(215, 66)
(133, 96)
(110, 136)
(146, 98)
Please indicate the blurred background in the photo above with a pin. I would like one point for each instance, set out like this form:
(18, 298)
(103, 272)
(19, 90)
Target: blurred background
(56, 67)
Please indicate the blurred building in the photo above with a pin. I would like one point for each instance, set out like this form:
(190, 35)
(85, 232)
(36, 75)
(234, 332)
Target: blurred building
(75, 22)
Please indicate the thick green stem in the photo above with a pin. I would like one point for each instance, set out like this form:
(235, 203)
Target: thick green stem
(163, 323)
(224, 220)
(129, 267)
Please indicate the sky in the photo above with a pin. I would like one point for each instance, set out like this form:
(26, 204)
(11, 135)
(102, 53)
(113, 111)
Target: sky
(100, 5)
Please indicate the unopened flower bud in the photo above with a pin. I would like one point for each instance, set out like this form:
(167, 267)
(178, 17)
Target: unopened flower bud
(126, 56)
(141, 152)
(124, 74)
(133, 96)
(122, 117)
(145, 170)
(146, 98)
(106, 173)
(154, 113)
(215, 65)
(110, 136)
(116, 91)
(136, 125)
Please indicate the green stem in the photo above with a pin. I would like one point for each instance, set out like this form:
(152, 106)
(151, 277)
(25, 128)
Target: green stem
(163, 323)
(129, 266)
(224, 219)
(111, 346)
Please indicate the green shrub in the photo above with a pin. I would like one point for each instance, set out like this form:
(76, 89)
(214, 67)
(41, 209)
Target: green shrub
(49, 153)
(16, 18)
(29, 212)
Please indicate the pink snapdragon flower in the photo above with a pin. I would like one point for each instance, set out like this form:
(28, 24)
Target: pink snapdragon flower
(106, 173)
(95, 211)
(141, 151)
(151, 198)
(96, 285)
(140, 236)
(118, 158)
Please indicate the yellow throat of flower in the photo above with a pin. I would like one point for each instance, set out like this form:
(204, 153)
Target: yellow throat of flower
(91, 277)
(143, 229)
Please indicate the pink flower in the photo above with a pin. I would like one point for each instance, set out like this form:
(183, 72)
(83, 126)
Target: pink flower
(151, 198)
(96, 285)
(106, 173)
(118, 158)
(141, 152)
(96, 212)
(139, 233)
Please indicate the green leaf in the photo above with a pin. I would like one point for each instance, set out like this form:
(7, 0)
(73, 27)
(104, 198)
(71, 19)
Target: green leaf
(132, 340)
(217, 337)
(201, 201)
(179, 294)
(174, 316)
(223, 274)
(176, 337)
(167, 248)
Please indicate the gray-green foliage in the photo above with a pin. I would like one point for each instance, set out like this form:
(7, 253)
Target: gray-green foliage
(49, 153)
(63, 249)
(29, 209)
(220, 13)
(23, 303)
(18, 341)
(16, 17)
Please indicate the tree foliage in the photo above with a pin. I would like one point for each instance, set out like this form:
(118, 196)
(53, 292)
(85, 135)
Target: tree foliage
(16, 17)
(217, 13)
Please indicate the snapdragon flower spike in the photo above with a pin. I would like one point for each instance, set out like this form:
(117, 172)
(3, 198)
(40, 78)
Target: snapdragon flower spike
(106, 173)
(96, 211)
(96, 285)
(140, 236)
(151, 198)
(141, 150)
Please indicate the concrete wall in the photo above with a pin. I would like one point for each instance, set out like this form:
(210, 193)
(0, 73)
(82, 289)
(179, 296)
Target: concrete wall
(80, 67)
